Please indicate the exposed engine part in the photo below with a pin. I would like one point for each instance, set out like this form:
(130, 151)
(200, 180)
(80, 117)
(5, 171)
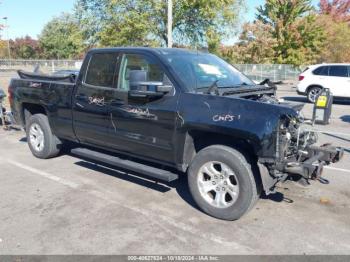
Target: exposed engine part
(297, 155)
(268, 99)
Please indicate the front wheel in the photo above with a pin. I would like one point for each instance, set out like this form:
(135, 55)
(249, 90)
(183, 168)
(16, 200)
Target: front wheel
(222, 182)
(41, 141)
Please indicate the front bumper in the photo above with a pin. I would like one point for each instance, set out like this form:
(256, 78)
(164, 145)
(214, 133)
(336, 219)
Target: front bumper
(313, 160)
(309, 166)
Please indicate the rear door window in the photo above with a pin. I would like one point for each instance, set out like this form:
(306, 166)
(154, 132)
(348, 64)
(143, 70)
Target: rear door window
(339, 71)
(101, 70)
(321, 71)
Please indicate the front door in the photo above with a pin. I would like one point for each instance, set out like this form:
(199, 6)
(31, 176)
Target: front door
(90, 115)
(142, 126)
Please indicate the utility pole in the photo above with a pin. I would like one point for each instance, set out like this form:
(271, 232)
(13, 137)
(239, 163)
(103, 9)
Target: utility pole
(170, 23)
(8, 36)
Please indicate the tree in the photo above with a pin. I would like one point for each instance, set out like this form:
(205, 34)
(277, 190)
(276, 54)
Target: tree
(25, 48)
(62, 38)
(3, 45)
(130, 22)
(293, 26)
(255, 45)
(127, 24)
(337, 43)
(3, 49)
(339, 10)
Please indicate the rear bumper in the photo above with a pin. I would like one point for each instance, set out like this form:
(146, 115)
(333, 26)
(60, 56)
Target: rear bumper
(315, 159)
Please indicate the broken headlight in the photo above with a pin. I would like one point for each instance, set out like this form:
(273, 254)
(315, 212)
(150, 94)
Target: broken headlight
(293, 137)
(287, 137)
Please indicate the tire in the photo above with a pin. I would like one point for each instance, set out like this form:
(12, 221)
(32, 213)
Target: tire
(312, 93)
(38, 129)
(241, 192)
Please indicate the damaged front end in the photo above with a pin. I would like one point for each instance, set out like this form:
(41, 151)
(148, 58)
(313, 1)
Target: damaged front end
(297, 156)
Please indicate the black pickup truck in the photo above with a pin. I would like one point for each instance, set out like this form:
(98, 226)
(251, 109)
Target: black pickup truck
(167, 112)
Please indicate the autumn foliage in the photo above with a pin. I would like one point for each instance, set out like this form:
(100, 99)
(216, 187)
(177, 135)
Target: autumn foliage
(25, 47)
(338, 10)
(293, 32)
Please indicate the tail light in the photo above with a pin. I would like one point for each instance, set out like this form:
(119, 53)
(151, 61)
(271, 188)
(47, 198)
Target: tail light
(301, 78)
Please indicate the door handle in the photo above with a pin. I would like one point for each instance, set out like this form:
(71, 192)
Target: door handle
(117, 103)
(79, 105)
(81, 97)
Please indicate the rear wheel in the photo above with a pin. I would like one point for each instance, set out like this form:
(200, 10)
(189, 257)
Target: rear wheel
(312, 93)
(41, 141)
(222, 183)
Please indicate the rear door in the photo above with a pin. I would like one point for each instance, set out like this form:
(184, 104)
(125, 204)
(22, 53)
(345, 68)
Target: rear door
(90, 117)
(338, 80)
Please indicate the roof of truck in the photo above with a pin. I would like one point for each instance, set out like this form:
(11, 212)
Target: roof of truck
(158, 50)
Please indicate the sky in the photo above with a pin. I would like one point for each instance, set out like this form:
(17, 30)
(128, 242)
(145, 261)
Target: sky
(28, 17)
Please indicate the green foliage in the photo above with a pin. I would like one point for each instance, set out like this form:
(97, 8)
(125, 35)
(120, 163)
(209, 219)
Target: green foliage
(285, 31)
(144, 22)
(25, 48)
(3, 50)
(61, 38)
(128, 24)
(337, 44)
(293, 26)
(253, 51)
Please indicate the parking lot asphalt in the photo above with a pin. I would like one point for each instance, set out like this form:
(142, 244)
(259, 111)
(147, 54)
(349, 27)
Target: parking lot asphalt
(66, 205)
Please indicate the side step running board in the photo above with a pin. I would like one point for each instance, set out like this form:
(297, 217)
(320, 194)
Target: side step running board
(126, 164)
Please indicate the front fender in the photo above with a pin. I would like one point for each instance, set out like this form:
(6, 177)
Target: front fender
(253, 121)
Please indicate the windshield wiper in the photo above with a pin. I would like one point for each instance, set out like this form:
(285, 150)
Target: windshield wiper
(214, 87)
(241, 84)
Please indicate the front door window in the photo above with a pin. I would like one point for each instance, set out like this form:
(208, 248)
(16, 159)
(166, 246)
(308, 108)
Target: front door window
(137, 69)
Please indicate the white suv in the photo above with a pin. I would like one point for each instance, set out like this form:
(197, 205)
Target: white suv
(336, 77)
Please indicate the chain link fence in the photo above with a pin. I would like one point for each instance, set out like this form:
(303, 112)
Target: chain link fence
(46, 66)
(257, 72)
(275, 72)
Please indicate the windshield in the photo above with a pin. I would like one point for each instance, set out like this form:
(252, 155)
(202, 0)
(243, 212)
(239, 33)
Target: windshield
(200, 71)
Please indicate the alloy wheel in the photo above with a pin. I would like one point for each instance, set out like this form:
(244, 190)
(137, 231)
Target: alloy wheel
(36, 137)
(218, 184)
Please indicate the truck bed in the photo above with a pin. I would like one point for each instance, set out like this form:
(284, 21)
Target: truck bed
(50, 94)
